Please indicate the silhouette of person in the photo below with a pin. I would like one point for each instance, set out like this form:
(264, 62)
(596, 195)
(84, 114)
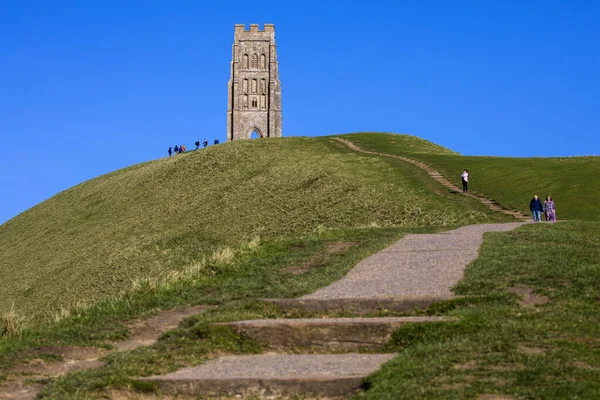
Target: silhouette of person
(216, 141)
(205, 142)
(536, 207)
(170, 151)
(176, 149)
(465, 181)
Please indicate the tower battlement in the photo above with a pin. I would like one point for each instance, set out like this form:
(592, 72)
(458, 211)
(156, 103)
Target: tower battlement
(255, 28)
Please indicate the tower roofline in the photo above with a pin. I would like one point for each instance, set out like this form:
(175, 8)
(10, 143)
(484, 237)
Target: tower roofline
(254, 28)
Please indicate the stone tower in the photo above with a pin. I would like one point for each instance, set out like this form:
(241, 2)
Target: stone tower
(254, 103)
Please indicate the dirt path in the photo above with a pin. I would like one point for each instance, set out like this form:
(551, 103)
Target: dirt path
(25, 382)
(416, 265)
(436, 175)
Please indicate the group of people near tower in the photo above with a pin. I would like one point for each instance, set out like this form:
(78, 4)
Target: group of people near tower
(535, 205)
(181, 149)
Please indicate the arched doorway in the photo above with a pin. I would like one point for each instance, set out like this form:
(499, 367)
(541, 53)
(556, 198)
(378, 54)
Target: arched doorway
(255, 133)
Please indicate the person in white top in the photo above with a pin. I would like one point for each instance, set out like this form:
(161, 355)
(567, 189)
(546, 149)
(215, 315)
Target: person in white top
(465, 181)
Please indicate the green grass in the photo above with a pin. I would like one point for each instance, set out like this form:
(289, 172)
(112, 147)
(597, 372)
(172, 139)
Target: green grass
(234, 286)
(480, 353)
(510, 181)
(153, 219)
(217, 227)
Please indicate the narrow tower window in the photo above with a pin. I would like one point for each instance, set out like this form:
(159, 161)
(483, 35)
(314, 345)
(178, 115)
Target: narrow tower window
(254, 102)
(263, 61)
(245, 62)
(254, 61)
(245, 86)
(254, 90)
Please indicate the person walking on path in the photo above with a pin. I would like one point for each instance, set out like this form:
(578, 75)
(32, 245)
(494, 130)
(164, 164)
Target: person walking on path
(205, 142)
(536, 207)
(549, 209)
(465, 180)
(176, 149)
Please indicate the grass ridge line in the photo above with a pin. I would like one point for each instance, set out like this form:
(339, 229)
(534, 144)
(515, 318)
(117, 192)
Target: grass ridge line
(437, 176)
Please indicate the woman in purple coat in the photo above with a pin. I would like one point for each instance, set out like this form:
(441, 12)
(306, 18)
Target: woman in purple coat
(549, 209)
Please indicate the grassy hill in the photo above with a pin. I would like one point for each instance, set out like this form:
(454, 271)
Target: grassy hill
(508, 180)
(277, 218)
(154, 219)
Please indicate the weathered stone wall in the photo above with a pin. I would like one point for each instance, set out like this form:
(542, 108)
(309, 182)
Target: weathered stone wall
(254, 100)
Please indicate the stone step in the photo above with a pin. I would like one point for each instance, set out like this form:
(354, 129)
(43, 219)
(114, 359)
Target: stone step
(330, 375)
(331, 334)
(359, 306)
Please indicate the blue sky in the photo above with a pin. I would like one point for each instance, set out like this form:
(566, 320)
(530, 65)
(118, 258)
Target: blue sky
(87, 87)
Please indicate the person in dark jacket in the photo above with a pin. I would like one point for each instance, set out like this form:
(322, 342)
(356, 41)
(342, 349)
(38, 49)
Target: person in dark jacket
(176, 149)
(536, 207)
(170, 152)
(216, 141)
(205, 142)
(197, 144)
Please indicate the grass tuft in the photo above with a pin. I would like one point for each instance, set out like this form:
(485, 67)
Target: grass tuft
(11, 323)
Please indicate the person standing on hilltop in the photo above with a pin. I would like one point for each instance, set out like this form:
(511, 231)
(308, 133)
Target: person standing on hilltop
(205, 142)
(176, 149)
(182, 148)
(549, 209)
(170, 152)
(536, 207)
(465, 180)
(216, 141)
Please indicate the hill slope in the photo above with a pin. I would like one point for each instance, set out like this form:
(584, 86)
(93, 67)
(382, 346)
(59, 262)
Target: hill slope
(93, 240)
(508, 180)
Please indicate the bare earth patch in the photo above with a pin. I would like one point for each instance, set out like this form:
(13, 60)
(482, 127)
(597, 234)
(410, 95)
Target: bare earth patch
(452, 386)
(580, 364)
(339, 247)
(43, 368)
(146, 332)
(24, 382)
(314, 261)
(528, 298)
(531, 350)
(506, 367)
(466, 366)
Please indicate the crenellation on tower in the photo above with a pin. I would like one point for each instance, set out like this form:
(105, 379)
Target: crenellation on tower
(254, 101)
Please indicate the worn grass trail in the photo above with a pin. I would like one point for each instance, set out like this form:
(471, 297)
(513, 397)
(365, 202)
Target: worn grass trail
(161, 218)
(27, 381)
(173, 232)
(544, 346)
(542, 343)
(436, 175)
(510, 181)
(416, 265)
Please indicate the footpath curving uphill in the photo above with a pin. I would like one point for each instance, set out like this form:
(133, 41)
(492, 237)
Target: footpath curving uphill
(491, 204)
(413, 273)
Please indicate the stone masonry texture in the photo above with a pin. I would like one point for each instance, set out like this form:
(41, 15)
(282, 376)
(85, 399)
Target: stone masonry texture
(254, 89)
